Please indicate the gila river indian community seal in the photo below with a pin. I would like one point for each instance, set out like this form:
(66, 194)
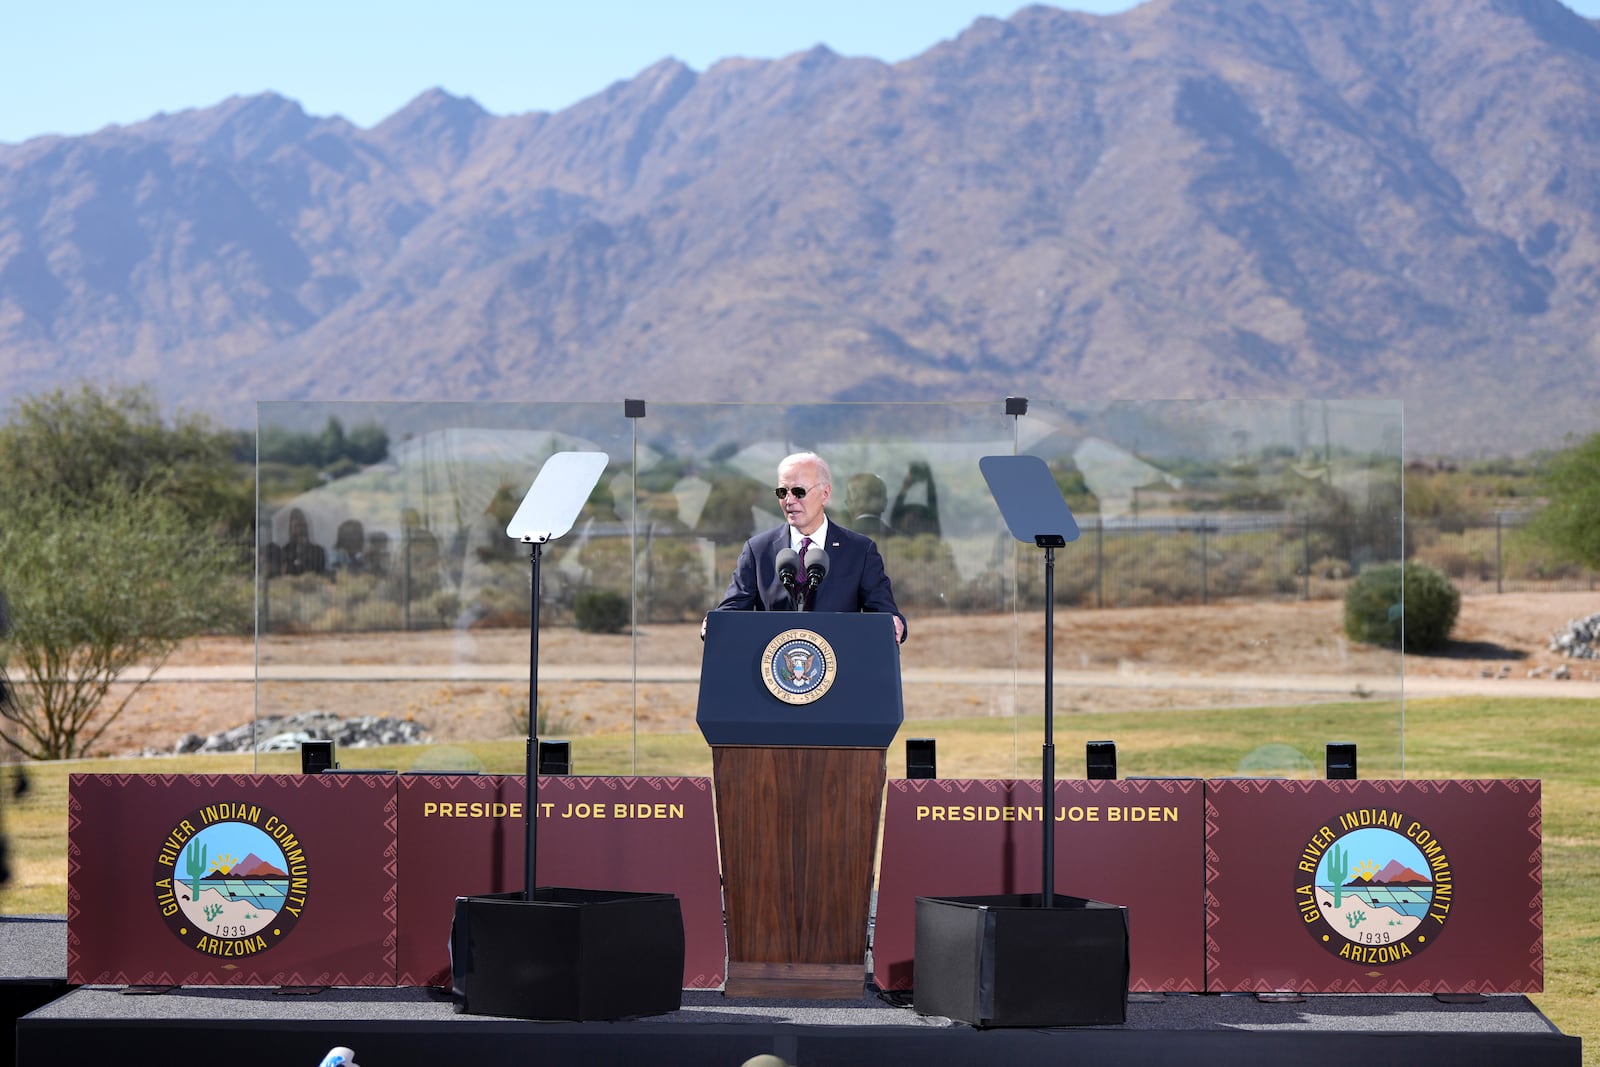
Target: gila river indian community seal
(1375, 886)
(231, 879)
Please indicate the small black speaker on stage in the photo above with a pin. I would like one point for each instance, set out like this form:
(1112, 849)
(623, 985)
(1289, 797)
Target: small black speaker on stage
(316, 757)
(1341, 760)
(1004, 961)
(582, 955)
(555, 757)
(1101, 757)
(922, 758)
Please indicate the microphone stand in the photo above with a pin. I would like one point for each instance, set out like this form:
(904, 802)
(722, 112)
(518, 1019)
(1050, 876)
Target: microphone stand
(815, 572)
(812, 581)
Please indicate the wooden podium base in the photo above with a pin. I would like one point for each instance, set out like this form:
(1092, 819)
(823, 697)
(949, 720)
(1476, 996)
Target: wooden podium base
(796, 981)
(799, 830)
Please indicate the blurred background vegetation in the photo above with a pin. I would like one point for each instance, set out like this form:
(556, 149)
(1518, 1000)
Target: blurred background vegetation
(127, 530)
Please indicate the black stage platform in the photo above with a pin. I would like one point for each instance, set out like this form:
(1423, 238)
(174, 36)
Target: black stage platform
(402, 1027)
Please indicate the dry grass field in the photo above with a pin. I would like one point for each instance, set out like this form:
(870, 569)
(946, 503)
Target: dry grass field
(472, 686)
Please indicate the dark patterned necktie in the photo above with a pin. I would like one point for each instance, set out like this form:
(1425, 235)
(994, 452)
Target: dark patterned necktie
(802, 594)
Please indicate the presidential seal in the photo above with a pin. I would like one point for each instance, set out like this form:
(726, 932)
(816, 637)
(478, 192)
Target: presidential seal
(1375, 888)
(231, 879)
(798, 666)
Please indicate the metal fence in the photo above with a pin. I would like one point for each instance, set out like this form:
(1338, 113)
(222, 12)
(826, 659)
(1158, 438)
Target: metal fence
(1236, 557)
(1494, 555)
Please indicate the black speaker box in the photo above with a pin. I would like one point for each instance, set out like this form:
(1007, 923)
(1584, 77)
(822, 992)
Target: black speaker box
(1005, 961)
(555, 757)
(568, 954)
(316, 757)
(922, 758)
(1100, 759)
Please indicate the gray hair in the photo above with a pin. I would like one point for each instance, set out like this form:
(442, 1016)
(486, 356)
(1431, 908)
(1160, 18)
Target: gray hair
(812, 458)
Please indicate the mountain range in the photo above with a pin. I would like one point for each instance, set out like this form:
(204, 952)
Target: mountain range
(1394, 873)
(1194, 198)
(253, 866)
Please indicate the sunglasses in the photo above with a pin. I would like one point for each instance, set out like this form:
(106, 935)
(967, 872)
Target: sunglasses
(799, 491)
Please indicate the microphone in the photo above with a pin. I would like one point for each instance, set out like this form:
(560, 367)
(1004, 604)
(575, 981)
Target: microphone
(816, 567)
(788, 564)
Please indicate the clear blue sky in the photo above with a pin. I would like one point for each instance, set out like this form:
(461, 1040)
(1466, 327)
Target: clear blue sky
(74, 66)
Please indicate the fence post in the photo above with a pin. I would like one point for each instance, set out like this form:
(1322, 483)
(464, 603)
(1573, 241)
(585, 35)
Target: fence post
(264, 605)
(1205, 565)
(1099, 561)
(1498, 565)
(405, 579)
(650, 573)
(1305, 551)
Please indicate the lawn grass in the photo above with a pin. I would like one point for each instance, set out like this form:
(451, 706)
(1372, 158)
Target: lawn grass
(1552, 740)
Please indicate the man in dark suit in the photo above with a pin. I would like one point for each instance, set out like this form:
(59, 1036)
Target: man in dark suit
(866, 498)
(856, 580)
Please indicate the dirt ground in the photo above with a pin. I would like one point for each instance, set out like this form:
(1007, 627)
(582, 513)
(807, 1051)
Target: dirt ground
(1495, 636)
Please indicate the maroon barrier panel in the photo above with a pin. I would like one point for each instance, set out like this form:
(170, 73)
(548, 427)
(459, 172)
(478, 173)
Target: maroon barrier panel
(1374, 887)
(230, 880)
(465, 836)
(1134, 842)
(1242, 885)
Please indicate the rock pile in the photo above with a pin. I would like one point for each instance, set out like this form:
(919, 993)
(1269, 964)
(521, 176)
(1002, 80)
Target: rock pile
(1580, 639)
(278, 733)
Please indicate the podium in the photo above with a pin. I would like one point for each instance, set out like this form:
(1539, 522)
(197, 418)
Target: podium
(799, 709)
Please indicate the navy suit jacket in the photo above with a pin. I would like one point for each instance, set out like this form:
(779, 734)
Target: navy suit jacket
(856, 580)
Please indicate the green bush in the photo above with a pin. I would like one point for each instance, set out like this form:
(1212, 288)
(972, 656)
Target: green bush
(1373, 614)
(600, 611)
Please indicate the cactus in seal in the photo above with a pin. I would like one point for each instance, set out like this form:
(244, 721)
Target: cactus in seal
(1338, 871)
(195, 866)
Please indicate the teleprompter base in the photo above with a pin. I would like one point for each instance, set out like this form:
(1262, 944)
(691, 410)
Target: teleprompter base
(568, 954)
(1005, 961)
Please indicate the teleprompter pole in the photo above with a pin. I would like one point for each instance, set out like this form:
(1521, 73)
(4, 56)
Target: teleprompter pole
(1048, 758)
(531, 810)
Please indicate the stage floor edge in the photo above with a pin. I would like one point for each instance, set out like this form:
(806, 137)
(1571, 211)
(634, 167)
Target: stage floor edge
(401, 1027)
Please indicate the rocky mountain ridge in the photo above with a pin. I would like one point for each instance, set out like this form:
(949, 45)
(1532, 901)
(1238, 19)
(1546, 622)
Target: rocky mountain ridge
(1194, 198)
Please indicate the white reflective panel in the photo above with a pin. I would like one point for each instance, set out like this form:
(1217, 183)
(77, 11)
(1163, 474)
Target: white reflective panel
(558, 494)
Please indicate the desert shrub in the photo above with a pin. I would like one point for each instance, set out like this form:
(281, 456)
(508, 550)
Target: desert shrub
(1373, 613)
(1456, 560)
(1236, 571)
(437, 609)
(375, 614)
(1529, 559)
(1074, 578)
(297, 603)
(550, 722)
(1330, 569)
(1569, 523)
(600, 611)
(1165, 576)
(498, 595)
(922, 570)
(673, 579)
